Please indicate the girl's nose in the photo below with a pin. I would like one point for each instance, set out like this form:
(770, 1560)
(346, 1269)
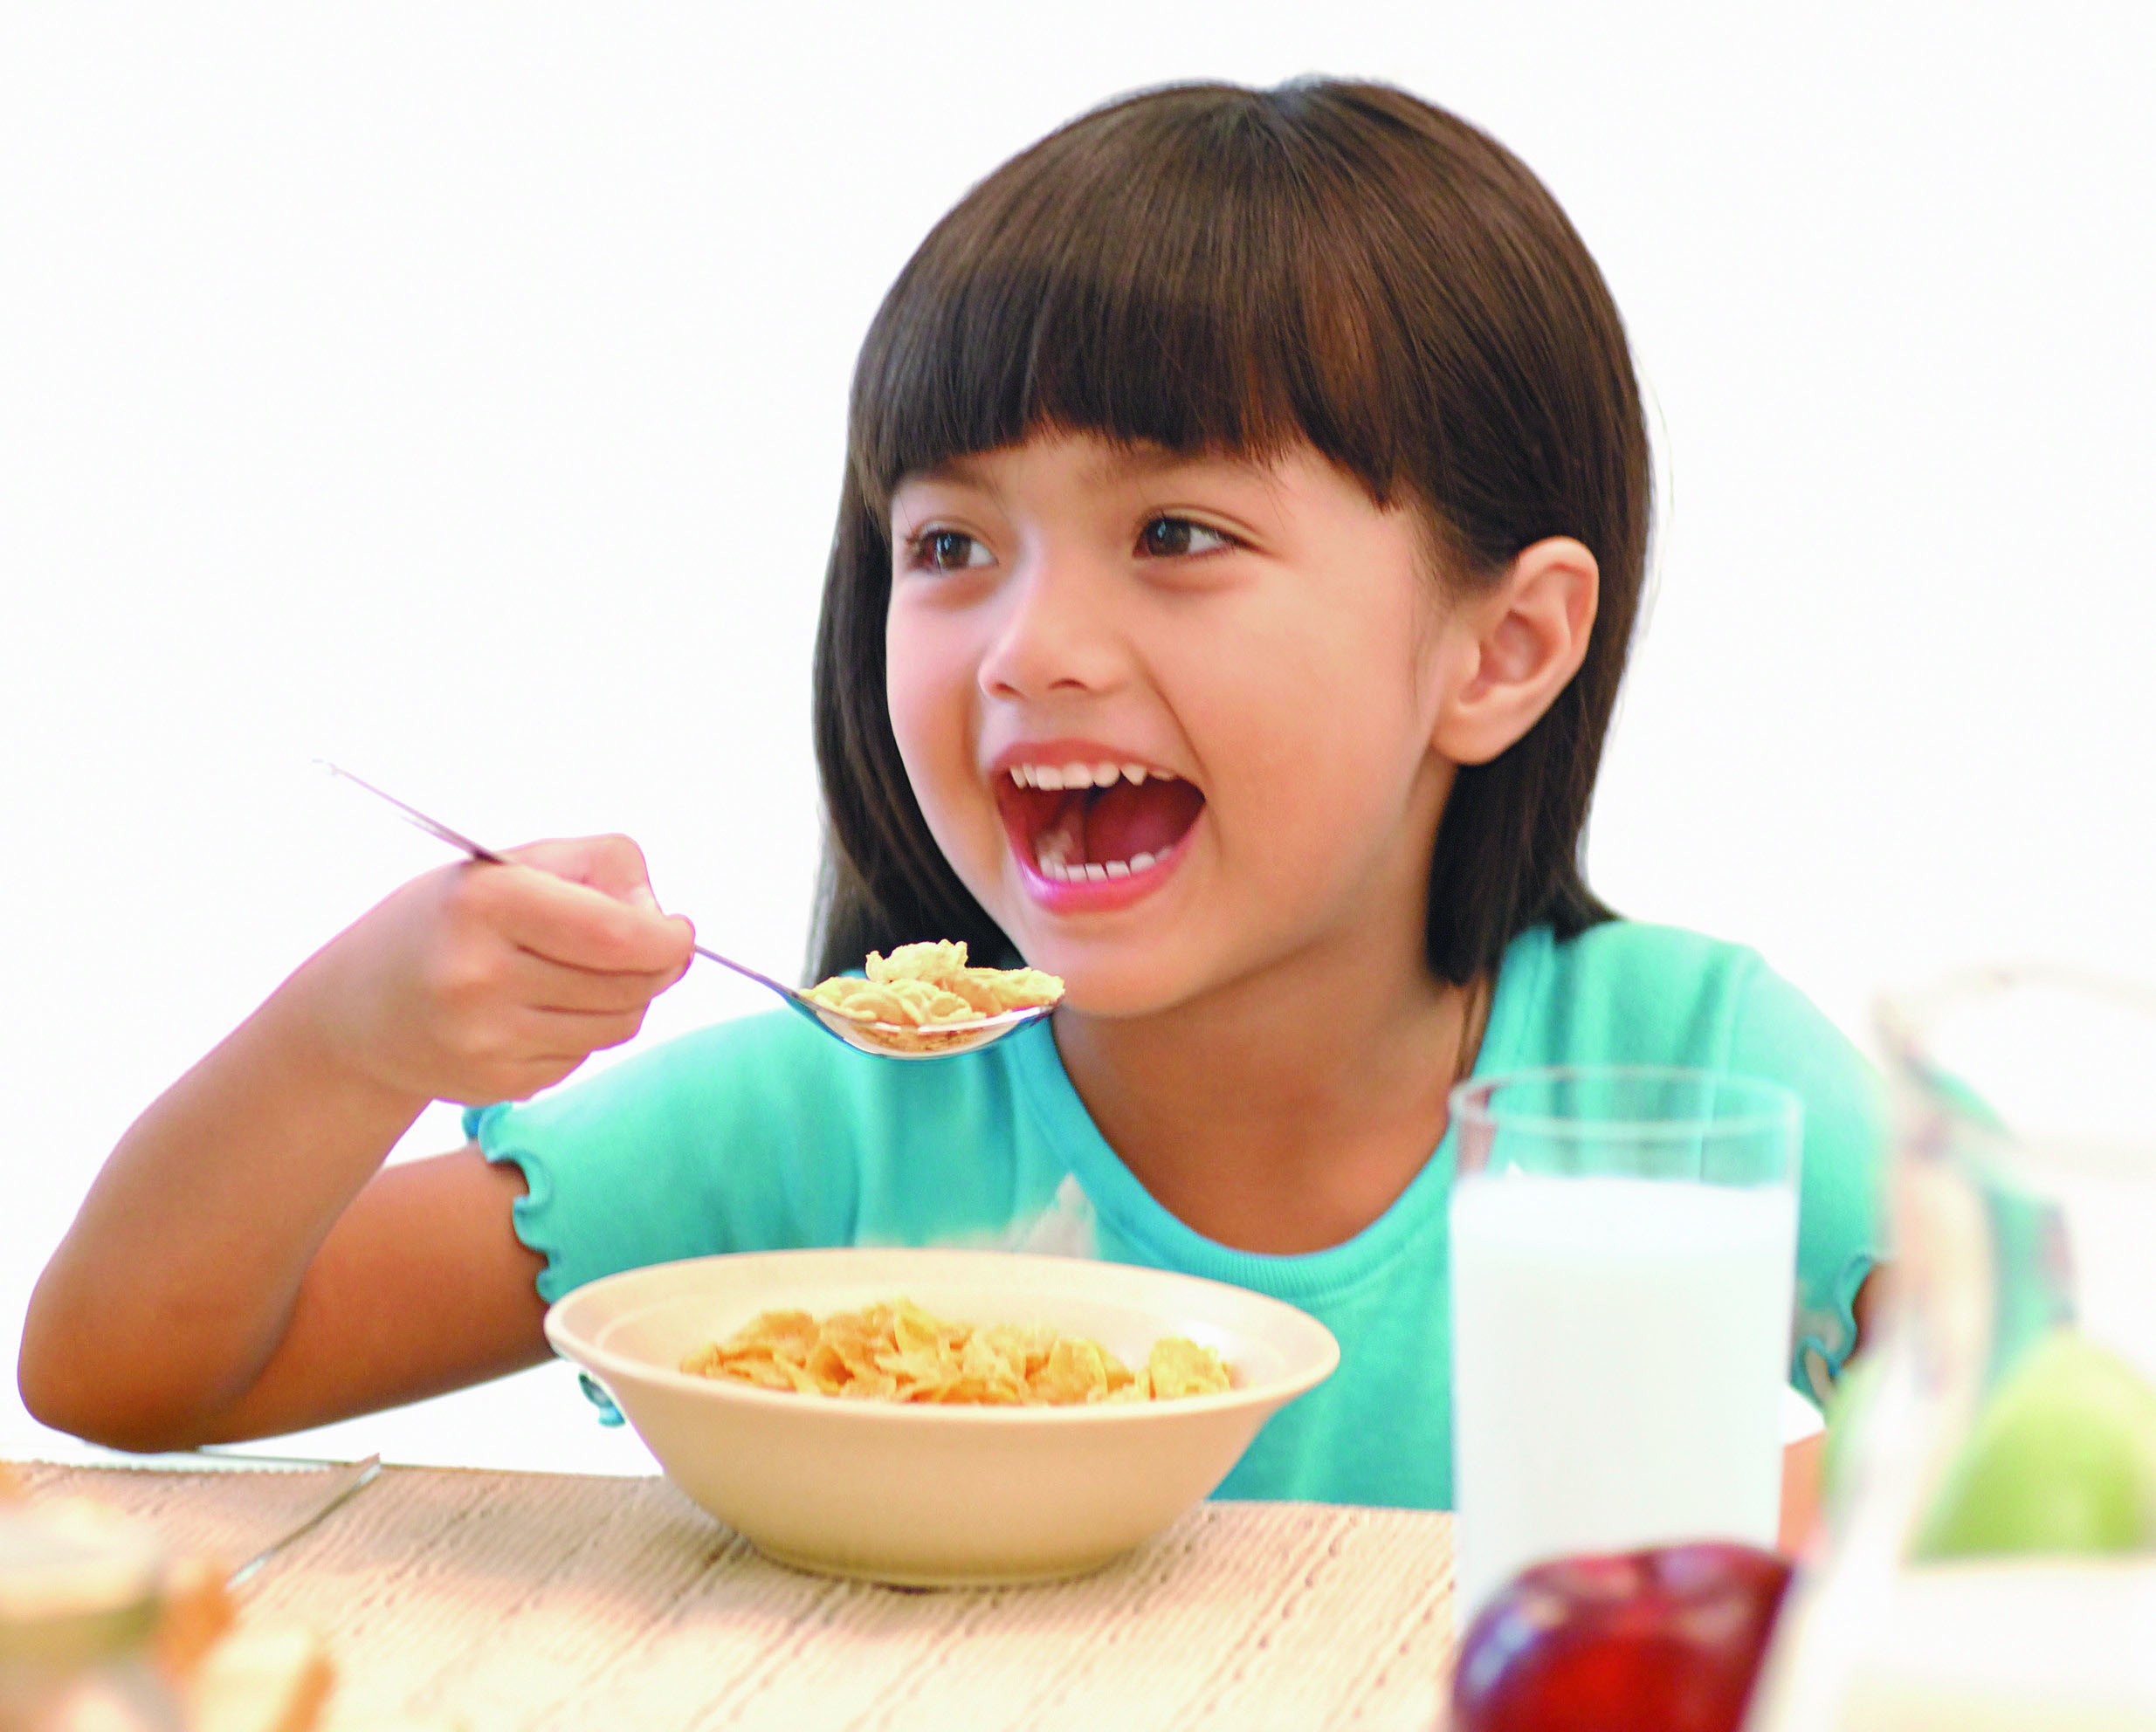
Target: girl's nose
(1055, 632)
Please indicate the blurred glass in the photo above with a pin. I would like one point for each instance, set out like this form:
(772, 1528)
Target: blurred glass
(78, 1610)
(1992, 1550)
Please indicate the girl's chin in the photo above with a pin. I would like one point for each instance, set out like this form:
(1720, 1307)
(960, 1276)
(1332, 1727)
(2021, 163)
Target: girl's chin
(1112, 940)
(1105, 999)
(1116, 982)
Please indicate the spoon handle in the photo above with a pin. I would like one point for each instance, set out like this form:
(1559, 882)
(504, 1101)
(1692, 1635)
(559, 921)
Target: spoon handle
(456, 839)
(433, 827)
(351, 1479)
(743, 969)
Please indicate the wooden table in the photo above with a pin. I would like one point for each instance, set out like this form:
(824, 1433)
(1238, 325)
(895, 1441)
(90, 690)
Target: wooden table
(533, 1600)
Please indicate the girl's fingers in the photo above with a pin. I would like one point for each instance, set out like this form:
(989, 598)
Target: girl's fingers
(530, 979)
(576, 924)
(565, 1037)
(529, 1050)
(612, 865)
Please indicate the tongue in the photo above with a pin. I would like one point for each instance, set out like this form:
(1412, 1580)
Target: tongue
(1131, 819)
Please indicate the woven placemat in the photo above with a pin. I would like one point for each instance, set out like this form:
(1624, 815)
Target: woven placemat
(530, 1600)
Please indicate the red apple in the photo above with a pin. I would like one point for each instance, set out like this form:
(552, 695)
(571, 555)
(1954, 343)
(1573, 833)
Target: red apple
(1651, 1641)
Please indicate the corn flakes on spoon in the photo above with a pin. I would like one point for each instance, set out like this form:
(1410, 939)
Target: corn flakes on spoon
(921, 1001)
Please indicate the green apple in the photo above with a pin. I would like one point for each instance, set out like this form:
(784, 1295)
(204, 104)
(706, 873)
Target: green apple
(2062, 1460)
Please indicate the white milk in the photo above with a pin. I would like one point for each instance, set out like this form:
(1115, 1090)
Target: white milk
(1619, 1347)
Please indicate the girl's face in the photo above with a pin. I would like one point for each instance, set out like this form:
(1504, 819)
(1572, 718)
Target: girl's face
(1170, 719)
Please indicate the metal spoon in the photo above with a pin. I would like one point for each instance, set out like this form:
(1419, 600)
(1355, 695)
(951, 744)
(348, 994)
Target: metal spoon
(886, 1039)
(350, 1480)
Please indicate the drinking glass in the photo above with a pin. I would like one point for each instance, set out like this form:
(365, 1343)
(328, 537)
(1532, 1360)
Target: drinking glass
(1623, 1244)
(1992, 1556)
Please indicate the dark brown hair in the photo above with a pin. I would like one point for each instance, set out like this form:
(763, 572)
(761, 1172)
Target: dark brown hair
(1208, 268)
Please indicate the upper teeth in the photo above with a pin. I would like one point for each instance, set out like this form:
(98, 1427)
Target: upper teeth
(1083, 775)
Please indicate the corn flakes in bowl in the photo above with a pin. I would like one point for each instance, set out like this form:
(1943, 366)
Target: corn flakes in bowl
(951, 1487)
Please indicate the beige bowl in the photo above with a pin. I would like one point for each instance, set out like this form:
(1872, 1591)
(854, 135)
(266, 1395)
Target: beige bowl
(931, 1496)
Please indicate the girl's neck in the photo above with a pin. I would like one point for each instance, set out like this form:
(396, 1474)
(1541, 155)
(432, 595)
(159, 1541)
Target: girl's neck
(1283, 1113)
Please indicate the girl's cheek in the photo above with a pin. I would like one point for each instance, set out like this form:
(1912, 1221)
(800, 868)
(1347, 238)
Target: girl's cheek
(903, 660)
(907, 727)
(927, 689)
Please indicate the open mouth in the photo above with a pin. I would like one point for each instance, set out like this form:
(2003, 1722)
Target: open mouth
(1078, 823)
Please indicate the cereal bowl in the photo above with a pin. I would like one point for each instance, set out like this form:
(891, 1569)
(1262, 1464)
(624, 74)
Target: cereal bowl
(927, 1495)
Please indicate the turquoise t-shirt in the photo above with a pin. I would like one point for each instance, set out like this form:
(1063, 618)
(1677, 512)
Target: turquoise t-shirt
(761, 1134)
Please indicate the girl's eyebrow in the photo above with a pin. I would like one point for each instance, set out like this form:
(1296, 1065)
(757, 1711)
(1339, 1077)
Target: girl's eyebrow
(961, 469)
(1117, 463)
(1147, 462)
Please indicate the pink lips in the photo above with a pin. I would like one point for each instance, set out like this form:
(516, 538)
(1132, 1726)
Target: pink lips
(1058, 896)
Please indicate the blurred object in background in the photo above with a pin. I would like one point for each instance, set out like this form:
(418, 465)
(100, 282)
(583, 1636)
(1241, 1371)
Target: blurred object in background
(80, 1602)
(1993, 1557)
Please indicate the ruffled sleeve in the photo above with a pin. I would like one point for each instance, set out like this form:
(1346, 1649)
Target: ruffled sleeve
(1778, 1033)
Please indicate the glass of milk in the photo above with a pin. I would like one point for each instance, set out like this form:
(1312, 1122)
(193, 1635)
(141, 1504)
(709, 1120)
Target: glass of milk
(1623, 1267)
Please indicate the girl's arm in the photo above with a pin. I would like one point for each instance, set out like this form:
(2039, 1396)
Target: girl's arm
(240, 1268)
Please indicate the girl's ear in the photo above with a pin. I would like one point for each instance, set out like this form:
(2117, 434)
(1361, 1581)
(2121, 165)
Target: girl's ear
(1514, 647)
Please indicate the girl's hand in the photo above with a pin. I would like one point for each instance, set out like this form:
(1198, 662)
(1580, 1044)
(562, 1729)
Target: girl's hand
(481, 983)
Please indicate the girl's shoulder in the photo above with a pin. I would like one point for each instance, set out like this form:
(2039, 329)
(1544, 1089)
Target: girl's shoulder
(1644, 955)
(1630, 991)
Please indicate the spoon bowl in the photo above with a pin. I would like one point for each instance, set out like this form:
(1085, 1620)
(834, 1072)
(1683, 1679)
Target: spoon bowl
(898, 1039)
(891, 1040)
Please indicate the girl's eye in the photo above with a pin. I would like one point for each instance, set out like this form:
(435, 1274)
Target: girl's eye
(1175, 538)
(948, 550)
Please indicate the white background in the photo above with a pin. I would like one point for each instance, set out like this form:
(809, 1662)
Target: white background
(458, 392)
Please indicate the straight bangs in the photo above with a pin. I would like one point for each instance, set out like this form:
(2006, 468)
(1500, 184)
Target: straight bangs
(1161, 272)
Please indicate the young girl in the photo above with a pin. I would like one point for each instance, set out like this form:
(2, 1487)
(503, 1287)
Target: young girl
(1243, 528)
